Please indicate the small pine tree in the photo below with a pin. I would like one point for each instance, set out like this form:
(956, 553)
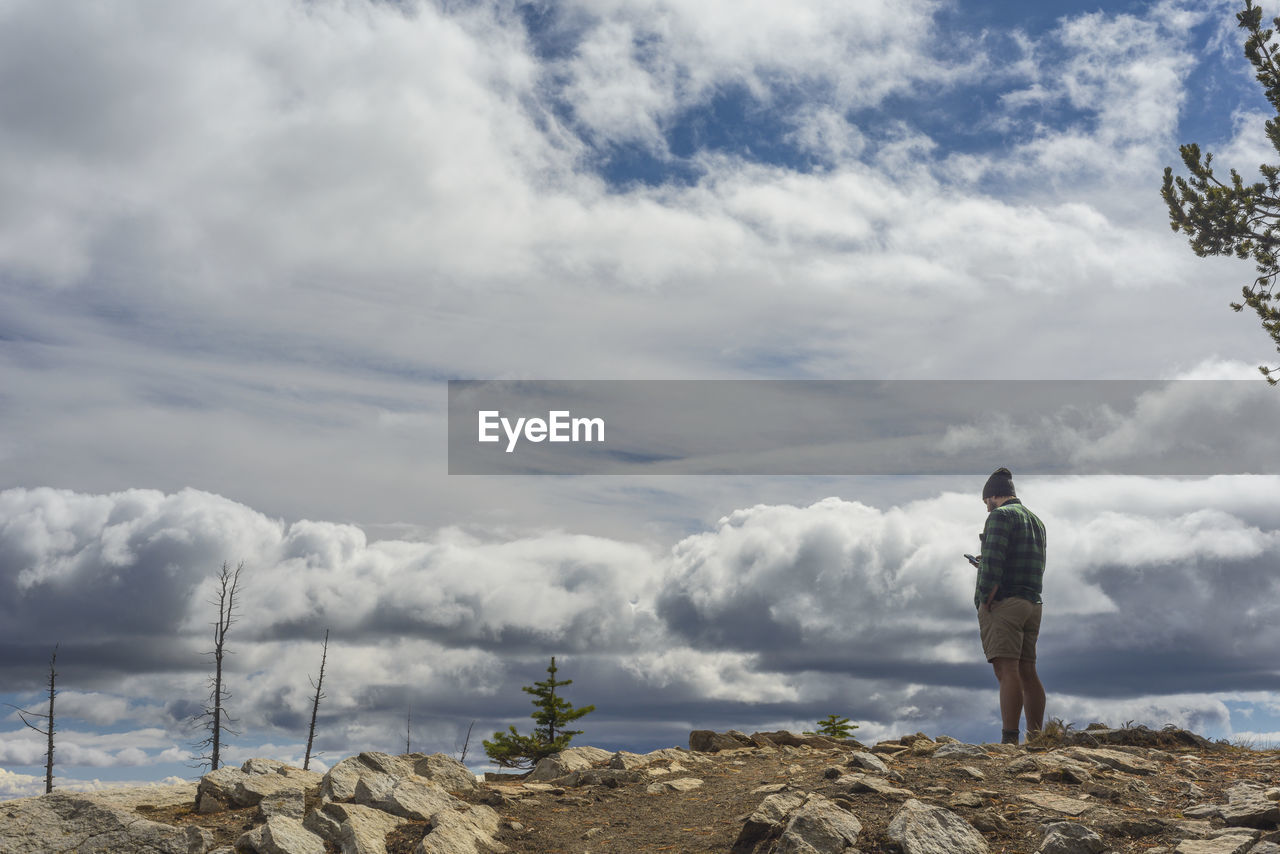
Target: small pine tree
(834, 726)
(512, 750)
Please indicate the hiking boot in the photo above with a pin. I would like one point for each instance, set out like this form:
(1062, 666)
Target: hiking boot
(1008, 736)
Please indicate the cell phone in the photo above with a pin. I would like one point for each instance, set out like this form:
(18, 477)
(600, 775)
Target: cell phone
(973, 560)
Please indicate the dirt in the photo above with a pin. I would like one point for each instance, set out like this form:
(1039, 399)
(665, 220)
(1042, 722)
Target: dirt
(627, 818)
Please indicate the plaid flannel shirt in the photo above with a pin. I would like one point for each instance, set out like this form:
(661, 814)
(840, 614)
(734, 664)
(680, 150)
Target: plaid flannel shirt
(1013, 554)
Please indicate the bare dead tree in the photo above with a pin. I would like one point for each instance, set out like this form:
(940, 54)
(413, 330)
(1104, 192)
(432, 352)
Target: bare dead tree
(215, 712)
(315, 707)
(408, 722)
(466, 743)
(49, 728)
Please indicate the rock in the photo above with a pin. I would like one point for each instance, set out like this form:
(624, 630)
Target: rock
(867, 762)
(790, 739)
(923, 747)
(766, 824)
(1248, 806)
(289, 803)
(1057, 803)
(970, 800)
(414, 798)
(62, 822)
(924, 829)
(955, 750)
(610, 777)
(1116, 759)
(371, 769)
(870, 783)
(626, 761)
(707, 741)
(1065, 837)
(447, 772)
(1231, 843)
(819, 826)
(566, 761)
(684, 784)
(462, 832)
(280, 835)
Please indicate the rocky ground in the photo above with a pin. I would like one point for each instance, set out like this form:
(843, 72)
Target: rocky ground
(1125, 790)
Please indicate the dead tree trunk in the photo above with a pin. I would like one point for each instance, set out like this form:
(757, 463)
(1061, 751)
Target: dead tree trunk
(50, 728)
(215, 712)
(315, 707)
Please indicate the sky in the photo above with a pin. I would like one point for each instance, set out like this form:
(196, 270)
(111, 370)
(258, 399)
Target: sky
(245, 246)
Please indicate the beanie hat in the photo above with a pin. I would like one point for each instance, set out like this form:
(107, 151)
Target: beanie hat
(1000, 483)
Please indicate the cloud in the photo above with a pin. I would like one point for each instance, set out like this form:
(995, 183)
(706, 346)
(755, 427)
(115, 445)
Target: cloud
(775, 607)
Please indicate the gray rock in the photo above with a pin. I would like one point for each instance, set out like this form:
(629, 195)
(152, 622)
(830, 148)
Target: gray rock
(624, 760)
(415, 798)
(955, 750)
(1057, 803)
(1115, 759)
(1248, 806)
(766, 823)
(566, 761)
(354, 828)
(872, 783)
(247, 785)
(374, 770)
(290, 803)
(1065, 837)
(609, 777)
(924, 829)
(867, 762)
(63, 822)
(1231, 843)
(280, 835)
(819, 826)
(683, 784)
(462, 832)
(707, 741)
(444, 770)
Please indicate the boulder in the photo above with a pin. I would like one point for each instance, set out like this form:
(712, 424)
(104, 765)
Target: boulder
(683, 784)
(570, 759)
(707, 741)
(445, 771)
(1248, 806)
(819, 826)
(920, 828)
(247, 785)
(766, 823)
(462, 832)
(1065, 837)
(354, 828)
(280, 835)
(63, 822)
(867, 762)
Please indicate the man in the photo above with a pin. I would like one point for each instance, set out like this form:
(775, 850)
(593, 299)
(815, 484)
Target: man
(1010, 578)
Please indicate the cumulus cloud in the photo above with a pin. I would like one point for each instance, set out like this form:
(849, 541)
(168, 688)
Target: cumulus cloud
(776, 607)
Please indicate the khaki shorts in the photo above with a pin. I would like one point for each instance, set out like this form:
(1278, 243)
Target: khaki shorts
(1010, 629)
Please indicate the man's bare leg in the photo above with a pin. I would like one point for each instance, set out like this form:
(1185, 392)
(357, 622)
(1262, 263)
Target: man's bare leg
(1032, 696)
(1007, 674)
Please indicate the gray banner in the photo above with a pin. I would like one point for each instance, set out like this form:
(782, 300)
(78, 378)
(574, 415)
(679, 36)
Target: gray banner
(857, 427)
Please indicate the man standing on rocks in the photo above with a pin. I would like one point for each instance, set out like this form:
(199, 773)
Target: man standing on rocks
(1010, 578)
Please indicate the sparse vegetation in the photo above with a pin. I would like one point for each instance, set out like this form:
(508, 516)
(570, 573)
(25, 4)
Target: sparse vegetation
(834, 726)
(552, 713)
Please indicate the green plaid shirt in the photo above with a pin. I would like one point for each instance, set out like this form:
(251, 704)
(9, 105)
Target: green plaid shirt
(1013, 554)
